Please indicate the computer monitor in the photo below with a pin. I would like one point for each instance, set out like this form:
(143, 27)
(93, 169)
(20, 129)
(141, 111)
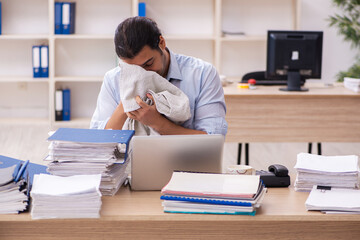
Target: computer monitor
(296, 55)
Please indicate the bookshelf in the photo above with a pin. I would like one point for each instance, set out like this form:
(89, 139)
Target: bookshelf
(79, 61)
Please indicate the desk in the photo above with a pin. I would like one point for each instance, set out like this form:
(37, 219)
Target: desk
(140, 215)
(323, 114)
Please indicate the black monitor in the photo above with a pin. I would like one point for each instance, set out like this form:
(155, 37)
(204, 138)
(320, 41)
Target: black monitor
(295, 55)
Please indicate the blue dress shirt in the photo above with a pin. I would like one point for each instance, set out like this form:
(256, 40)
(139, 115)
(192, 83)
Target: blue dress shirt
(199, 80)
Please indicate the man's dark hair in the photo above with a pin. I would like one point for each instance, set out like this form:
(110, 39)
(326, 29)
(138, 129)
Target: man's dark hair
(133, 34)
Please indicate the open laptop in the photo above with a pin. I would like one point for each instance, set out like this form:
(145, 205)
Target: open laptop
(154, 158)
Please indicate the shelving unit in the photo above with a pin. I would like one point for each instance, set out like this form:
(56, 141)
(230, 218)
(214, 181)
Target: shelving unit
(79, 61)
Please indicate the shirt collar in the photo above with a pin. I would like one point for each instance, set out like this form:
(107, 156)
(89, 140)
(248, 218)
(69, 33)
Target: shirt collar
(174, 71)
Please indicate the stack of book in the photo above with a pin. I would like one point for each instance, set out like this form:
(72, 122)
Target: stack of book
(209, 193)
(330, 171)
(66, 197)
(75, 151)
(15, 183)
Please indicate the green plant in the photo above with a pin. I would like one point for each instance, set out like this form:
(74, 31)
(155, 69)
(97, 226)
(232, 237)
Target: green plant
(348, 24)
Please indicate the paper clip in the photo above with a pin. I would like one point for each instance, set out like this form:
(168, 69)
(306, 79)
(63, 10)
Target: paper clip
(21, 171)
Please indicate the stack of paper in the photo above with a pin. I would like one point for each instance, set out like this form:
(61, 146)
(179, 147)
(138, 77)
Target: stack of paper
(213, 193)
(13, 194)
(334, 171)
(15, 183)
(352, 83)
(91, 151)
(334, 200)
(66, 197)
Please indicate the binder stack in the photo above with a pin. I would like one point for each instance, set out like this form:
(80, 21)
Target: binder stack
(66, 197)
(15, 184)
(40, 61)
(91, 151)
(65, 17)
(213, 193)
(329, 171)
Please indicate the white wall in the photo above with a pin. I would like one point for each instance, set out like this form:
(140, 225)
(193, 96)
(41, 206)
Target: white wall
(337, 54)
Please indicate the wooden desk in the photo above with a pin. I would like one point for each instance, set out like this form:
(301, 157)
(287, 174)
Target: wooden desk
(139, 215)
(323, 114)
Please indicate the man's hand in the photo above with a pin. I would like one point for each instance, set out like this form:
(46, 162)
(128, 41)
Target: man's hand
(146, 114)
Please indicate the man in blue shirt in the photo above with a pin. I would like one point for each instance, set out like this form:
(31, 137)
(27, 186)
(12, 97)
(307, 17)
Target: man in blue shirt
(139, 41)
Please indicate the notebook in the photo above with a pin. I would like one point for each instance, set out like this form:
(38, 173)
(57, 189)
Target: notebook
(154, 158)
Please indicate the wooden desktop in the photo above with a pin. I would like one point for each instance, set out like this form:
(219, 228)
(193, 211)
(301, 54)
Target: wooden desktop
(323, 114)
(139, 215)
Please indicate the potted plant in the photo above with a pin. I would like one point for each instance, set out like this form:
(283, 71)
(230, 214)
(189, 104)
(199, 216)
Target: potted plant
(348, 24)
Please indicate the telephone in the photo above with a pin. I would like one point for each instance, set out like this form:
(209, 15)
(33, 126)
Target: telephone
(277, 176)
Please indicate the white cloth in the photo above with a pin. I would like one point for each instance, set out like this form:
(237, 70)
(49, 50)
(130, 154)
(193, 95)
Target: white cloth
(169, 100)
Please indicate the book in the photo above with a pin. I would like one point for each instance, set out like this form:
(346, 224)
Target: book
(58, 105)
(213, 185)
(16, 177)
(68, 17)
(213, 193)
(66, 105)
(74, 151)
(0, 18)
(44, 61)
(58, 18)
(142, 9)
(36, 61)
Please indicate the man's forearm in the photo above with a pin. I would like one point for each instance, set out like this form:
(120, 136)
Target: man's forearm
(117, 119)
(166, 127)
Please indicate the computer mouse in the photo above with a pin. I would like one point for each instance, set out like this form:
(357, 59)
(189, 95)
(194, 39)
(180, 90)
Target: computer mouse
(279, 170)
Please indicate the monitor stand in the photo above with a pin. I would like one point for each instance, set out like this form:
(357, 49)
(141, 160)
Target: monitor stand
(294, 82)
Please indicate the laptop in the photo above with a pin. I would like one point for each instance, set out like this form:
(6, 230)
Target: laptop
(154, 158)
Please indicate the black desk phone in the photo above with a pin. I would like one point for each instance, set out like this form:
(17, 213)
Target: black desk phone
(277, 176)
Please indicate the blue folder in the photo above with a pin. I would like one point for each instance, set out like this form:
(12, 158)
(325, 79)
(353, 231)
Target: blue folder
(66, 105)
(58, 18)
(68, 17)
(36, 61)
(93, 136)
(0, 18)
(142, 9)
(44, 61)
(23, 168)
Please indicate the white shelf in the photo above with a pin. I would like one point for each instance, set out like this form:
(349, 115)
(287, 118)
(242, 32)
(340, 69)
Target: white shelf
(85, 36)
(79, 61)
(79, 79)
(12, 79)
(24, 37)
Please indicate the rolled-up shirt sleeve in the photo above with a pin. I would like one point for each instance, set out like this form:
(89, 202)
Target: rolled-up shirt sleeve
(106, 103)
(210, 107)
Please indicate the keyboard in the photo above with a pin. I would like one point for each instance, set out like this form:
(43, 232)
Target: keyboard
(270, 82)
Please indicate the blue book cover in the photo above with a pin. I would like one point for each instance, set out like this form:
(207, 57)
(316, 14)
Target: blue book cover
(68, 17)
(58, 18)
(206, 200)
(44, 61)
(92, 135)
(36, 58)
(0, 18)
(142, 9)
(30, 169)
(66, 105)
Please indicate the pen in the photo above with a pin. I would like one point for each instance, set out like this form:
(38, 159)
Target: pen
(21, 171)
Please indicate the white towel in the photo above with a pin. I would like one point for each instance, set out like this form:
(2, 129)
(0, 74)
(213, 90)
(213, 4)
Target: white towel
(169, 100)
